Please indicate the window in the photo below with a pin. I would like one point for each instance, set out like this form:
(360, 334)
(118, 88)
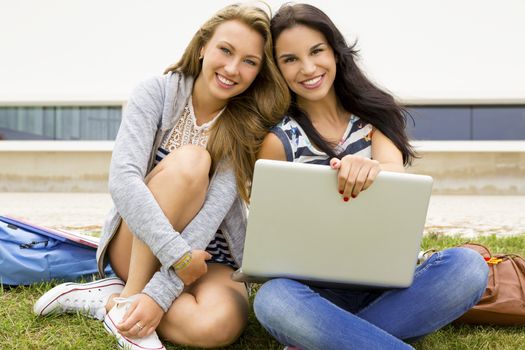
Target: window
(60, 122)
(102, 122)
(467, 122)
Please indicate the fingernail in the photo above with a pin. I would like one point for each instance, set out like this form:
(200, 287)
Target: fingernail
(340, 192)
(346, 199)
(353, 196)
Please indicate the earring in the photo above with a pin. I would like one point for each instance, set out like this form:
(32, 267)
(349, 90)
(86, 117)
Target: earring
(201, 57)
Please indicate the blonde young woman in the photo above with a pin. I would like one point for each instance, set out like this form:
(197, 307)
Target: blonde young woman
(181, 164)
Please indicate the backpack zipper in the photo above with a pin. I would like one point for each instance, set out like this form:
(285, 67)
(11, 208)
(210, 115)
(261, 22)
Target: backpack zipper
(32, 244)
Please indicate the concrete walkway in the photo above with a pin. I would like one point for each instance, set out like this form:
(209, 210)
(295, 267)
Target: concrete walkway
(465, 215)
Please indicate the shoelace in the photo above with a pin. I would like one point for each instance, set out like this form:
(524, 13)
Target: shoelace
(95, 308)
(128, 300)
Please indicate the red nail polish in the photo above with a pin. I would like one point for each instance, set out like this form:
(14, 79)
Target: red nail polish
(353, 196)
(346, 199)
(340, 192)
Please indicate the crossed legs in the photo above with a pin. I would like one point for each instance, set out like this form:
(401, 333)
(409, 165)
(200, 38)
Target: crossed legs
(445, 286)
(213, 310)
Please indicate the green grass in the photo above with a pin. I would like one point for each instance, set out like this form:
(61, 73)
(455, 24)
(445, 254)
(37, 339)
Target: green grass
(20, 329)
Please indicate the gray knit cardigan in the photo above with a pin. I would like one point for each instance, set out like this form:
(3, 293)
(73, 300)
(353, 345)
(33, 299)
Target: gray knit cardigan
(152, 111)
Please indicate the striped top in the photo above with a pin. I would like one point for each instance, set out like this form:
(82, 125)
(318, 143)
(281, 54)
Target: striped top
(187, 132)
(219, 250)
(356, 140)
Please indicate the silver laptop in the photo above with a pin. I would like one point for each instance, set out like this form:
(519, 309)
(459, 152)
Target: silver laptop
(299, 227)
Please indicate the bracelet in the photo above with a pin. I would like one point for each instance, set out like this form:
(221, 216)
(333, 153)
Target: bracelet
(183, 261)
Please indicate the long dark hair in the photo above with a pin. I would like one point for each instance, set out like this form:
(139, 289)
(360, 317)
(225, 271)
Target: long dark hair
(356, 93)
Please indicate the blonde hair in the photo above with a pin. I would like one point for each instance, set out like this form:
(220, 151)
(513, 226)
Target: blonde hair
(238, 133)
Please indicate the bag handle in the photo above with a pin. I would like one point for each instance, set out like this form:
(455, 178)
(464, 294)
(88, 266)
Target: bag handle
(475, 246)
(492, 289)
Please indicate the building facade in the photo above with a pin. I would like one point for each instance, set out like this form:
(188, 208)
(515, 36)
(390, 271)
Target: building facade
(68, 67)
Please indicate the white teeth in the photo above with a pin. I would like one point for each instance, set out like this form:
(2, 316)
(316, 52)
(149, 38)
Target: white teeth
(312, 81)
(224, 80)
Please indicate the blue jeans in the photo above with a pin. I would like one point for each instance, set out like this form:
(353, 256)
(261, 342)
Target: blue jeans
(445, 286)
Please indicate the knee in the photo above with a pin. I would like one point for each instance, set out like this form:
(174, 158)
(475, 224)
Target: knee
(469, 267)
(215, 328)
(290, 311)
(271, 305)
(189, 163)
(262, 303)
(220, 328)
(194, 157)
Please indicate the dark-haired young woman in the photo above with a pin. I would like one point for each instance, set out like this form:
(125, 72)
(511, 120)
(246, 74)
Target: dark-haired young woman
(339, 118)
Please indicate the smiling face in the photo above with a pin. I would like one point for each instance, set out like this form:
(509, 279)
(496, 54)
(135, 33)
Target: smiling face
(232, 58)
(307, 62)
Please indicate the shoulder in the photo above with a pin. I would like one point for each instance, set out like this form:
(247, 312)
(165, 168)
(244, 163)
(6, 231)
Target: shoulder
(272, 148)
(381, 140)
(150, 89)
(285, 124)
(159, 86)
(386, 152)
(288, 130)
(276, 144)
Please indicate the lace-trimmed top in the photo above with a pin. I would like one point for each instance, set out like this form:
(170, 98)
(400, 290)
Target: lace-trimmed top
(186, 131)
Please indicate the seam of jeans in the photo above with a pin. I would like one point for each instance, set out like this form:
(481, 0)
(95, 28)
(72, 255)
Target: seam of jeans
(433, 260)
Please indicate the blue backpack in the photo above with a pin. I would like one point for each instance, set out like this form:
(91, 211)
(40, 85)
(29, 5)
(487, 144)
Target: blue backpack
(30, 254)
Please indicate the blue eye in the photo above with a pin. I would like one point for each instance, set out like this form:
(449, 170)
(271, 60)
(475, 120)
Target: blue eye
(250, 62)
(225, 50)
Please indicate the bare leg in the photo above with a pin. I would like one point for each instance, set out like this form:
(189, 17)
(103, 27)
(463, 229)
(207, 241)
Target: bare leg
(179, 184)
(211, 313)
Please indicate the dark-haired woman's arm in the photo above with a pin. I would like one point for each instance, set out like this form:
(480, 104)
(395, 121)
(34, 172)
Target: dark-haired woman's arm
(386, 153)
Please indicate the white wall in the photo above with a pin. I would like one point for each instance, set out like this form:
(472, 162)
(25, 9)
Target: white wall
(95, 51)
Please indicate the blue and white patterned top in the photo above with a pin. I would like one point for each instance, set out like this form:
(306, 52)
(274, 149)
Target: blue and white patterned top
(356, 140)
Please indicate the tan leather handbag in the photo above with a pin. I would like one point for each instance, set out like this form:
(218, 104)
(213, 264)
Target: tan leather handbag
(503, 302)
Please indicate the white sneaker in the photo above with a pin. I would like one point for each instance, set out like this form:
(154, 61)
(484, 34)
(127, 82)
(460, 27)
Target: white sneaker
(424, 255)
(114, 317)
(87, 298)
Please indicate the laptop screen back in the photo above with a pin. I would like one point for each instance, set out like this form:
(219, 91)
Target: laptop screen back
(300, 227)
